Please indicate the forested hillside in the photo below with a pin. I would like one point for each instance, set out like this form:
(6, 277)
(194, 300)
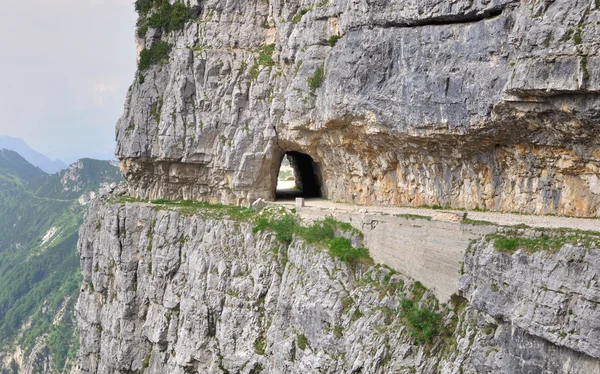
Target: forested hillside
(40, 216)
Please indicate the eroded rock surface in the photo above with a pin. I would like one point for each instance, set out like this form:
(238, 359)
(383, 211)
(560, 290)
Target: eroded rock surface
(166, 292)
(180, 291)
(465, 104)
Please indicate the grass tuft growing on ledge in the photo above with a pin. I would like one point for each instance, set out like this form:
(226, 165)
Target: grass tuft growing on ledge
(215, 211)
(550, 240)
(342, 249)
(317, 78)
(324, 232)
(283, 227)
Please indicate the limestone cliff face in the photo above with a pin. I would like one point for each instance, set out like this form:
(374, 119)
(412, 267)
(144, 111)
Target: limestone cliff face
(490, 104)
(167, 292)
(170, 290)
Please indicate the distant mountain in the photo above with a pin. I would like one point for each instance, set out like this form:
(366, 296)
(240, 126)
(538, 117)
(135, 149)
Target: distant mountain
(32, 156)
(13, 165)
(40, 216)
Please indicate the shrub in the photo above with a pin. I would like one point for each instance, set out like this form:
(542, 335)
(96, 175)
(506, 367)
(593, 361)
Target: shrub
(333, 39)
(158, 53)
(338, 331)
(144, 6)
(299, 15)
(142, 28)
(167, 17)
(260, 345)
(317, 78)
(301, 341)
(423, 324)
(265, 58)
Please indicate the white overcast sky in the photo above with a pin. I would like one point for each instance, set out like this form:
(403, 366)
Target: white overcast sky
(65, 66)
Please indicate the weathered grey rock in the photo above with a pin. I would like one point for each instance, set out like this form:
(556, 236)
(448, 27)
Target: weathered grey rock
(544, 301)
(489, 104)
(259, 204)
(188, 293)
(169, 290)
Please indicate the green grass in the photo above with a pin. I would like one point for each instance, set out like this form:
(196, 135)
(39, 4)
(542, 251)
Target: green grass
(260, 345)
(551, 243)
(476, 222)
(320, 232)
(284, 227)
(215, 211)
(265, 55)
(342, 249)
(338, 331)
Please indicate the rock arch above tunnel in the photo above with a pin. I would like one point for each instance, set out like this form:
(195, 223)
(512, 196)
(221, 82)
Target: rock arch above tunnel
(408, 105)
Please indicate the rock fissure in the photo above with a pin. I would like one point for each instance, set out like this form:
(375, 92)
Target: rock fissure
(448, 20)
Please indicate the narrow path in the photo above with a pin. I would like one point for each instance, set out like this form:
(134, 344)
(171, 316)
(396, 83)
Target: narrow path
(504, 219)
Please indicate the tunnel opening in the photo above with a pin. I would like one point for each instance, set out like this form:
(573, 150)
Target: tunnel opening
(299, 176)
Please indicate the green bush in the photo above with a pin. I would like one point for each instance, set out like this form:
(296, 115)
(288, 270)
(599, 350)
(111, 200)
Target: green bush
(317, 79)
(170, 17)
(265, 58)
(166, 16)
(142, 28)
(158, 53)
(423, 324)
(302, 341)
(320, 232)
(260, 345)
(144, 6)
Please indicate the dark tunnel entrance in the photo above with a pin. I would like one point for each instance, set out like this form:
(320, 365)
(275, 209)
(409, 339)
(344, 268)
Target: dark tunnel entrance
(299, 176)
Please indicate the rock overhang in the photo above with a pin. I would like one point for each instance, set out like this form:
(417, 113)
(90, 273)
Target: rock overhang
(428, 104)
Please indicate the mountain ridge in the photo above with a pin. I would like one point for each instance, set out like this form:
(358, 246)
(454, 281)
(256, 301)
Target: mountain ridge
(31, 155)
(40, 215)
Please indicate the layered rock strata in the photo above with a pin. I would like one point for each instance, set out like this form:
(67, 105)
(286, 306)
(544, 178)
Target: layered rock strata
(467, 104)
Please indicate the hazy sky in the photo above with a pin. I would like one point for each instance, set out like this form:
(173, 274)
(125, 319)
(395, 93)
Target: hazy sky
(65, 66)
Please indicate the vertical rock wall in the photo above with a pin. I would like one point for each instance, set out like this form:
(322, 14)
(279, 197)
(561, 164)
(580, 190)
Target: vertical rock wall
(475, 105)
(175, 290)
